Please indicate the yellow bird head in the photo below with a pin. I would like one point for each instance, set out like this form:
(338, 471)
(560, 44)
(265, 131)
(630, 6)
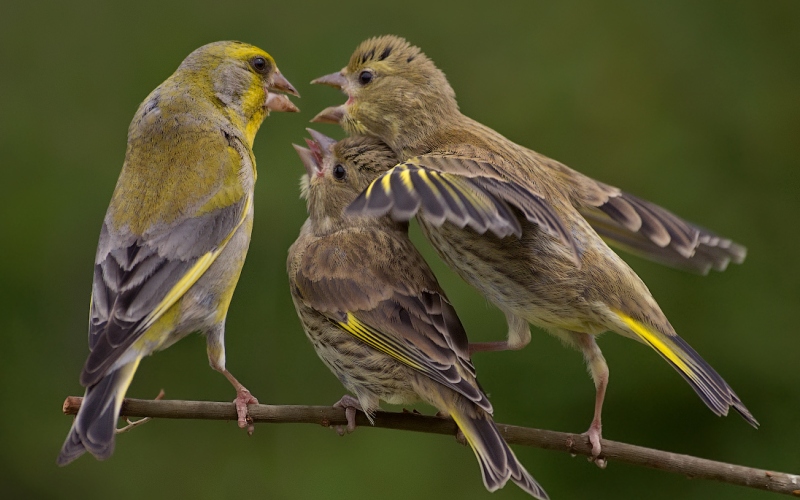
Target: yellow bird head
(243, 80)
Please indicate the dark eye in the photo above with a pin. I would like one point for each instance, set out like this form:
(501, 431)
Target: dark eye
(365, 77)
(339, 173)
(260, 65)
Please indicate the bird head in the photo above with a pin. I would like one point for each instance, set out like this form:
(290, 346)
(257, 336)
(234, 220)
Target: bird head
(244, 80)
(395, 93)
(337, 172)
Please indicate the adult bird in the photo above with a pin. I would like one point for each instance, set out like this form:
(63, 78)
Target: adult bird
(176, 233)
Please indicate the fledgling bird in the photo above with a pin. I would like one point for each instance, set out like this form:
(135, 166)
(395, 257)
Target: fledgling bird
(560, 275)
(176, 233)
(375, 313)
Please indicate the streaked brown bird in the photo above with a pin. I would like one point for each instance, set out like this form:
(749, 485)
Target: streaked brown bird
(374, 312)
(559, 275)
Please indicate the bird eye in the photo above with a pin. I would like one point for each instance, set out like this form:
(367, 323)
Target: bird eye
(339, 173)
(365, 77)
(259, 64)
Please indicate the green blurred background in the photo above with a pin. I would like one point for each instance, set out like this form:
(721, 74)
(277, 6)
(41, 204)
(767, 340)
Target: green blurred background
(692, 105)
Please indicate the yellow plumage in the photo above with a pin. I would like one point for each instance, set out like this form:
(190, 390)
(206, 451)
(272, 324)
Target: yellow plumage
(177, 229)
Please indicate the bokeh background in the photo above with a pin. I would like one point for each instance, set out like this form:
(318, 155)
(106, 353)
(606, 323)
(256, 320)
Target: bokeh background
(694, 105)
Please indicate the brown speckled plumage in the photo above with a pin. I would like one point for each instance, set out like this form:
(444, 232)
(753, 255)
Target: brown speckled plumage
(406, 101)
(374, 312)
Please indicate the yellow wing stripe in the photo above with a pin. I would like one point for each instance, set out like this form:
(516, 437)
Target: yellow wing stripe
(424, 175)
(369, 189)
(450, 181)
(448, 186)
(465, 429)
(469, 193)
(653, 339)
(127, 372)
(405, 176)
(376, 340)
(193, 274)
(451, 184)
(386, 182)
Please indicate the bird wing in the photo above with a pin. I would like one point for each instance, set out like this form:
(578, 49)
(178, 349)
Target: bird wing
(649, 230)
(138, 278)
(390, 301)
(407, 188)
(461, 191)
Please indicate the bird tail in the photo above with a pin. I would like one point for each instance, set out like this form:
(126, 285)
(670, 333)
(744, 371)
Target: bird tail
(706, 382)
(498, 463)
(96, 422)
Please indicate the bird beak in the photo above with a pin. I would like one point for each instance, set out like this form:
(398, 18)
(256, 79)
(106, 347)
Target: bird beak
(281, 84)
(336, 80)
(320, 146)
(325, 143)
(309, 160)
(280, 103)
(333, 115)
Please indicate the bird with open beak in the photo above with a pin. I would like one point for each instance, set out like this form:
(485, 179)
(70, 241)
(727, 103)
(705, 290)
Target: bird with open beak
(176, 233)
(374, 311)
(560, 275)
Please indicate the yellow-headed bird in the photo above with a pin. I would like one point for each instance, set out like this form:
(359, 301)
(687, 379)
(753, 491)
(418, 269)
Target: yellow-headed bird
(176, 233)
(559, 275)
(375, 313)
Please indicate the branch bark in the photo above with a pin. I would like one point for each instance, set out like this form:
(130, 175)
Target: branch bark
(692, 467)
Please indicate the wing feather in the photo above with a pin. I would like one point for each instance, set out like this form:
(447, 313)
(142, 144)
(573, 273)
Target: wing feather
(408, 188)
(139, 279)
(391, 301)
(661, 236)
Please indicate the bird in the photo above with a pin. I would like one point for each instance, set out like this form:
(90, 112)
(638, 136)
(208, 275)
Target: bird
(177, 229)
(375, 313)
(559, 275)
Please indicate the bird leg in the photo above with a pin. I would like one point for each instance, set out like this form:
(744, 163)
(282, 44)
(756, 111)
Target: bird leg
(350, 405)
(215, 347)
(500, 345)
(519, 334)
(599, 370)
(595, 432)
(243, 398)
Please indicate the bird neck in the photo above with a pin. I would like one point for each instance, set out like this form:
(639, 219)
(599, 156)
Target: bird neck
(324, 224)
(430, 133)
(247, 115)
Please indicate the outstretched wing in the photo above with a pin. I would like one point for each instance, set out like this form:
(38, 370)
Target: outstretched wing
(461, 191)
(653, 232)
(407, 188)
(391, 301)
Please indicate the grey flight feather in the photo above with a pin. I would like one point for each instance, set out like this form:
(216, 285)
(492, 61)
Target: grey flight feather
(133, 275)
(399, 301)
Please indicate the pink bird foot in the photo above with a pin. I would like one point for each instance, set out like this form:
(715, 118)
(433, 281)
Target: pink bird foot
(244, 398)
(350, 405)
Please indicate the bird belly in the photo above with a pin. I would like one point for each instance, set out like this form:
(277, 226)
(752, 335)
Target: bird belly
(364, 371)
(522, 277)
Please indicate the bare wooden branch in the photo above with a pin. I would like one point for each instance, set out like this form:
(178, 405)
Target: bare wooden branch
(692, 467)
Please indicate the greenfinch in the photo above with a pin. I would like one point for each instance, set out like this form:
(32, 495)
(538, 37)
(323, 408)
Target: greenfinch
(559, 275)
(176, 232)
(375, 313)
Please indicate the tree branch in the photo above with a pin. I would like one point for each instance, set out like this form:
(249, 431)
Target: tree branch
(693, 467)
